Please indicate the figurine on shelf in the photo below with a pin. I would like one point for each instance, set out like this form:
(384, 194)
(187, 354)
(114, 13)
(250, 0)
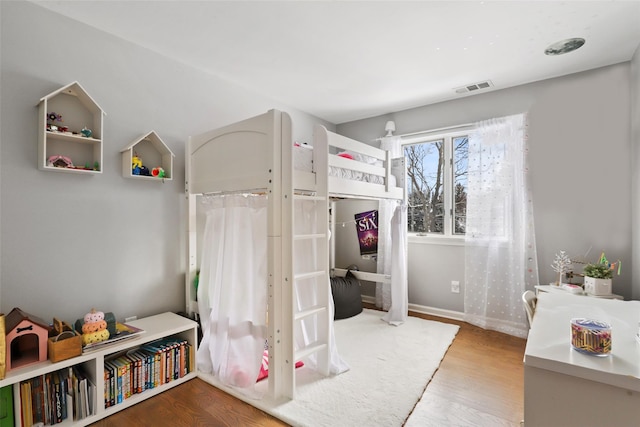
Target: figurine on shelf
(59, 161)
(158, 172)
(136, 165)
(86, 132)
(53, 117)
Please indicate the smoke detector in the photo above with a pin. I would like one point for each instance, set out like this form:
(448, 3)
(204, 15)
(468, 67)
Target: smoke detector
(474, 87)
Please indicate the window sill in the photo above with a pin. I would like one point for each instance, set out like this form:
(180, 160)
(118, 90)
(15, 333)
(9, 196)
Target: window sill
(435, 240)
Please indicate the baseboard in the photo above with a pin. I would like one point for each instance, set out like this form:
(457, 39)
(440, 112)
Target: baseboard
(432, 311)
(439, 312)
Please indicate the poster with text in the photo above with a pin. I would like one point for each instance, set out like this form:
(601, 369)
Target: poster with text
(367, 228)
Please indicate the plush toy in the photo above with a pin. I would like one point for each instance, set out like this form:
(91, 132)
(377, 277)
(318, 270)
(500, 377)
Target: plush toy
(95, 337)
(94, 328)
(93, 316)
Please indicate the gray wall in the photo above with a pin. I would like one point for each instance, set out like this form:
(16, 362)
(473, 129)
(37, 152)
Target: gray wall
(71, 242)
(580, 162)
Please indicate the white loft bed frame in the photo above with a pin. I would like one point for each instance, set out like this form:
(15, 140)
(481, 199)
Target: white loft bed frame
(255, 155)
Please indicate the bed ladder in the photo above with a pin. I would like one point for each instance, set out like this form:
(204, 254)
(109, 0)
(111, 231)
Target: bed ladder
(312, 288)
(289, 282)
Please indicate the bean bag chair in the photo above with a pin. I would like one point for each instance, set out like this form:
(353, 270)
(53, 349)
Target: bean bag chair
(346, 296)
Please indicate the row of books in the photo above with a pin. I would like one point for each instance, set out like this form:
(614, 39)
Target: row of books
(146, 367)
(54, 397)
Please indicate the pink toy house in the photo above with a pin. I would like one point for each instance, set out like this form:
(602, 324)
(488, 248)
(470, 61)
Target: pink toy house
(26, 340)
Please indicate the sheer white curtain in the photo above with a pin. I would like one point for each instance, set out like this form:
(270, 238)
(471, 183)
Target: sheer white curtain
(392, 225)
(232, 291)
(500, 252)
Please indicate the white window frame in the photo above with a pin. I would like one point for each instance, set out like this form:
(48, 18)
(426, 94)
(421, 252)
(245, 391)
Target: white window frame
(447, 135)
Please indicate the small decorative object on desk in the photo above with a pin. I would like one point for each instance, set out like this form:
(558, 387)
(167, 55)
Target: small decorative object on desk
(571, 288)
(561, 265)
(591, 337)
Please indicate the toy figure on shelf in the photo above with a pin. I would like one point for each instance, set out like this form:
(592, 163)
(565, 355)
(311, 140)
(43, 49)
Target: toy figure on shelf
(136, 165)
(158, 172)
(86, 132)
(137, 168)
(53, 118)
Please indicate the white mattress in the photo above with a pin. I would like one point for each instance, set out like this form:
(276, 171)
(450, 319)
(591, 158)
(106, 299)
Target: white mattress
(303, 161)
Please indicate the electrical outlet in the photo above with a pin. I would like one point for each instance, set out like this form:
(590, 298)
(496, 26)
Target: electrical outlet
(130, 319)
(455, 286)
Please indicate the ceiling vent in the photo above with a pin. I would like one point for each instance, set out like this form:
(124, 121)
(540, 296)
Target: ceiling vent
(474, 87)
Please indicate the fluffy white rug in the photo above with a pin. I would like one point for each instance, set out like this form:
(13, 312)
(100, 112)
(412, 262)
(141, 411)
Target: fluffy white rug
(390, 368)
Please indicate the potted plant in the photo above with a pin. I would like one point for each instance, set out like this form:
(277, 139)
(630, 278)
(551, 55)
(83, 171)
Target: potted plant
(597, 279)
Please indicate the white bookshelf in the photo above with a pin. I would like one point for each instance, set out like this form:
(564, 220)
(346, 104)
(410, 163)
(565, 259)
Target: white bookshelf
(155, 327)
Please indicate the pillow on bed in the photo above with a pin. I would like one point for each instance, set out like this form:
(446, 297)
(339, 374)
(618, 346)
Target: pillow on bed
(361, 158)
(264, 369)
(345, 155)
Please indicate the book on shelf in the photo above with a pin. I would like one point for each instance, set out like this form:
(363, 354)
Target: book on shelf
(123, 332)
(56, 397)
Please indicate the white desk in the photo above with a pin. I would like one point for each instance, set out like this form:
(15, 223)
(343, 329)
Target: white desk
(558, 289)
(565, 388)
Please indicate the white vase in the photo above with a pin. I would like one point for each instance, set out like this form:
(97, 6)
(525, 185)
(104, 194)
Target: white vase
(597, 287)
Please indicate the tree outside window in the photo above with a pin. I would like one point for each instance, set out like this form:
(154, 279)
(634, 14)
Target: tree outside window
(437, 185)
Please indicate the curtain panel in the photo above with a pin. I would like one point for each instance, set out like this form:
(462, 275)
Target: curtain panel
(500, 248)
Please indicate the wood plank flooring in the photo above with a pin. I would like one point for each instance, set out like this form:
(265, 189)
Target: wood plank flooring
(480, 382)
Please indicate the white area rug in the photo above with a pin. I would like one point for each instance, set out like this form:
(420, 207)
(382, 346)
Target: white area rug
(390, 368)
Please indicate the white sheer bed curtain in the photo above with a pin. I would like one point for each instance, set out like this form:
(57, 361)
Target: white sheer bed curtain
(232, 291)
(500, 252)
(392, 250)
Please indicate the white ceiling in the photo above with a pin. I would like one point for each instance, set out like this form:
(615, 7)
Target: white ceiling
(347, 60)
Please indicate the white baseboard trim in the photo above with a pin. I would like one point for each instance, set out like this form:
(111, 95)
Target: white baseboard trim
(439, 312)
(432, 311)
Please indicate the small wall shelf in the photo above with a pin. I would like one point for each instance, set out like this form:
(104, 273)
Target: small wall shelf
(70, 126)
(152, 153)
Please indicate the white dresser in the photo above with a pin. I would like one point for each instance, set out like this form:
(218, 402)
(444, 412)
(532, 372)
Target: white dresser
(565, 388)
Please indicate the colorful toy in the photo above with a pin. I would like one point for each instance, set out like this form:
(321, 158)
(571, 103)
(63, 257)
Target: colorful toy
(158, 172)
(136, 165)
(95, 337)
(86, 132)
(94, 328)
(93, 316)
(91, 327)
(59, 161)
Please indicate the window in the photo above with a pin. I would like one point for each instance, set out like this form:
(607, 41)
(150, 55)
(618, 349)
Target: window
(437, 184)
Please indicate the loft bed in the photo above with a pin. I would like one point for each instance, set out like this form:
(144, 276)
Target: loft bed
(258, 156)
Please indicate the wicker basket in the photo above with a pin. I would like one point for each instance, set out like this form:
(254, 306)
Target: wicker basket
(65, 344)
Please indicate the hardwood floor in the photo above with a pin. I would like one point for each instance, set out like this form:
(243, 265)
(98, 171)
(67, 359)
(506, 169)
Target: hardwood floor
(479, 383)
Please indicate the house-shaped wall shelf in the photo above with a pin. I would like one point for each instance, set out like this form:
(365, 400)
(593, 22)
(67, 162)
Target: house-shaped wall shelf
(70, 125)
(148, 154)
